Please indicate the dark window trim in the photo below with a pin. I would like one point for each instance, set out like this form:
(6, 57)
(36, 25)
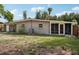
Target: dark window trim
(40, 25)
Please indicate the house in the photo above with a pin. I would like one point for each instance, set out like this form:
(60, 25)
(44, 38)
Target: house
(49, 27)
(1, 27)
(10, 27)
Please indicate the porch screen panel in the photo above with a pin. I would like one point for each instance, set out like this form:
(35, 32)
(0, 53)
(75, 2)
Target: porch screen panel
(61, 28)
(54, 28)
(68, 28)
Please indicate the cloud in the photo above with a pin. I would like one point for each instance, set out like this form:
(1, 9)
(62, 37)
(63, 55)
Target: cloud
(34, 9)
(75, 8)
(20, 15)
(17, 14)
(14, 11)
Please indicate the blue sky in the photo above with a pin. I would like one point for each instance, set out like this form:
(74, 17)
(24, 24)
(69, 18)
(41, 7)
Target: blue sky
(58, 9)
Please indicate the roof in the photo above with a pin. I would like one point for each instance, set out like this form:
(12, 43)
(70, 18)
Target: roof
(30, 20)
(25, 20)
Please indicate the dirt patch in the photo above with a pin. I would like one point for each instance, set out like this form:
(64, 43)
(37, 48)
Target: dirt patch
(34, 50)
(9, 50)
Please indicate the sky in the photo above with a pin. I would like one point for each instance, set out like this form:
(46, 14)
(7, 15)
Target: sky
(58, 9)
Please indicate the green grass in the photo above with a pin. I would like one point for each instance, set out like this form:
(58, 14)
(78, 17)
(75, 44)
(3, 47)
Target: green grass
(32, 43)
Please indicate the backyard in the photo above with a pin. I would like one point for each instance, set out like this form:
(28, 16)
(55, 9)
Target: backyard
(22, 44)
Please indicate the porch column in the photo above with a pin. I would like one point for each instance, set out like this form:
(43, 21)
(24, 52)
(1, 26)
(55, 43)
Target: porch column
(59, 28)
(63, 29)
(71, 29)
(7, 28)
(50, 28)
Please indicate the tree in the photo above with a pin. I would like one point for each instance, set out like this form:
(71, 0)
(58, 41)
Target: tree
(65, 17)
(24, 15)
(71, 15)
(1, 10)
(8, 15)
(59, 18)
(49, 11)
(76, 16)
(53, 18)
(38, 15)
(44, 15)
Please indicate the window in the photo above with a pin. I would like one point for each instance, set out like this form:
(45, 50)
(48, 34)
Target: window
(40, 25)
(23, 26)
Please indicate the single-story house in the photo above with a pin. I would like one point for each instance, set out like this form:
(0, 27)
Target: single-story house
(10, 26)
(45, 26)
(1, 27)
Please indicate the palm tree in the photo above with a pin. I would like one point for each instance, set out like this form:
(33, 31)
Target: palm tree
(49, 12)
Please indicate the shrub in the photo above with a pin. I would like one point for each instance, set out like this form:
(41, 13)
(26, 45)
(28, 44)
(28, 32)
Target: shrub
(22, 30)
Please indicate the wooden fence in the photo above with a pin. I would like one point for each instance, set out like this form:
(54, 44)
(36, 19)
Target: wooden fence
(76, 30)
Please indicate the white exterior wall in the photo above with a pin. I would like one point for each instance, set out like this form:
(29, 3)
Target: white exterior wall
(27, 26)
(35, 25)
(44, 30)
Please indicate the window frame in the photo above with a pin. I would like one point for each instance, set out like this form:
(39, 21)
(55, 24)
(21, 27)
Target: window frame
(40, 25)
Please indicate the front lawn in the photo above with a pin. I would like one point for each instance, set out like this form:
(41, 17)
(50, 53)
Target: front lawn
(38, 44)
